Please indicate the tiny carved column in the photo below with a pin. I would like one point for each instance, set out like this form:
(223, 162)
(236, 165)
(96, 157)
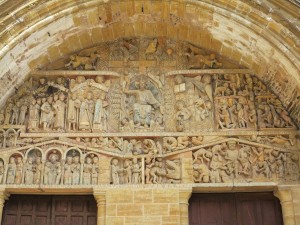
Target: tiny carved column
(3, 196)
(100, 197)
(184, 196)
(286, 200)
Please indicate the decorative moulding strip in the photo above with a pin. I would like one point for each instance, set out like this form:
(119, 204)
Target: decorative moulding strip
(121, 155)
(197, 187)
(111, 73)
(210, 71)
(41, 73)
(165, 134)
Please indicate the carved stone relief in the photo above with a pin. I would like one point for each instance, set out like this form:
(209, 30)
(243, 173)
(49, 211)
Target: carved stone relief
(146, 123)
(144, 103)
(127, 171)
(245, 162)
(154, 52)
(151, 161)
(159, 170)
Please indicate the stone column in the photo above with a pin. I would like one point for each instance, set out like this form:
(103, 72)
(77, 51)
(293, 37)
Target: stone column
(296, 203)
(100, 197)
(286, 200)
(3, 196)
(184, 196)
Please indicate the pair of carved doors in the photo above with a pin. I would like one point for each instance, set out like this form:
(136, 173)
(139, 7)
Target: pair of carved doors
(50, 210)
(235, 209)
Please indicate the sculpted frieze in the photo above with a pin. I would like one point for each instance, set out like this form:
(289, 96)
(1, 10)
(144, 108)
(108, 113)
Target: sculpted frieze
(149, 160)
(156, 52)
(233, 160)
(147, 102)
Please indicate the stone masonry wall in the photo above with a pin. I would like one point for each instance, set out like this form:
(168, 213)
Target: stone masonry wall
(142, 206)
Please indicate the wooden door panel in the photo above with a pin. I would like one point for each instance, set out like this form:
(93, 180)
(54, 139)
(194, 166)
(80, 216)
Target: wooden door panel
(27, 206)
(61, 205)
(247, 213)
(26, 219)
(50, 210)
(77, 206)
(214, 209)
(269, 209)
(10, 220)
(227, 211)
(60, 220)
(41, 220)
(235, 209)
(91, 220)
(194, 212)
(42, 206)
(77, 220)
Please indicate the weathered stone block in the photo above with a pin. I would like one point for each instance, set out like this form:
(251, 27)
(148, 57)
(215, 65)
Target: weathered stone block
(150, 29)
(85, 38)
(163, 196)
(255, 15)
(74, 43)
(65, 48)
(174, 210)
(114, 221)
(172, 32)
(111, 210)
(139, 28)
(118, 30)
(107, 34)
(161, 29)
(156, 209)
(130, 210)
(53, 53)
(128, 29)
(143, 196)
(96, 35)
(123, 196)
(39, 62)
(92, 16)
(132, 220)
(170, 220)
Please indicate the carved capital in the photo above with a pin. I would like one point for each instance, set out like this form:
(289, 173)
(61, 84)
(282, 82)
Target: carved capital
(3, 195)
(184, 195)
(284, 195)
(100, 197)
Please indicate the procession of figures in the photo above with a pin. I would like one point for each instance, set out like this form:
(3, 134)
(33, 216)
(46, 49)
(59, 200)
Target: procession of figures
(145, 103)
(152, 161)
(77, 169)
(53, 171)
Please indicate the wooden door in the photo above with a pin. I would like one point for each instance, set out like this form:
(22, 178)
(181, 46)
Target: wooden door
(258, 209)
(27, 210)
(235, 209)
(74, 210)
(50, 210)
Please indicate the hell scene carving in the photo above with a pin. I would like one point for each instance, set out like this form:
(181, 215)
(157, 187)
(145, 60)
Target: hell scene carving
(245, 162)
(146, 111)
